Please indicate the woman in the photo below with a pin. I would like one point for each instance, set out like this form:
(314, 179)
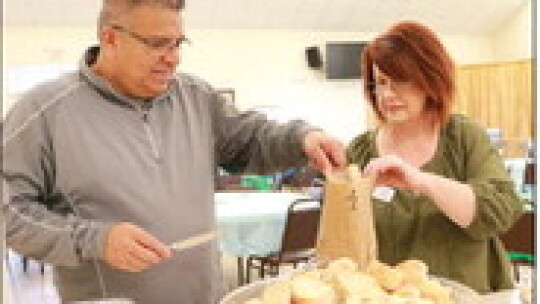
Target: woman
(453, 194)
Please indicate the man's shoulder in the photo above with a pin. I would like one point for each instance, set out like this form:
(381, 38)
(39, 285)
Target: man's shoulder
(201, 92)
(48, 93)
(194, 82)
(40, 101)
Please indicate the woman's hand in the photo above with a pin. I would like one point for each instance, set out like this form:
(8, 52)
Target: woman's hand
(393, 171)
(455, 199)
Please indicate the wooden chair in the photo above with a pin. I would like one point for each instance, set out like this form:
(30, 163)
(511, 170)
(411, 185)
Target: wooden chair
(519, 242)
(298, 242)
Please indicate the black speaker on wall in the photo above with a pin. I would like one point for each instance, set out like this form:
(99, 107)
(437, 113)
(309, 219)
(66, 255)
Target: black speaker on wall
(313, 56)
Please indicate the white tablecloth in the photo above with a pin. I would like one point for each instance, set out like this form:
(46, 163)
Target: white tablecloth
(252, 223)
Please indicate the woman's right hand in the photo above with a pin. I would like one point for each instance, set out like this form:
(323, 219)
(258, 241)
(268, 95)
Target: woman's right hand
(392, 171)
(130, 248)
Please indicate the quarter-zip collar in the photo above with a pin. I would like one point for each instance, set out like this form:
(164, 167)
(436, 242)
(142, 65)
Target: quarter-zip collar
(103, 86)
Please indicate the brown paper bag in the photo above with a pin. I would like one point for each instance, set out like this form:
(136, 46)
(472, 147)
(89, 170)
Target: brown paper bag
(347, 227)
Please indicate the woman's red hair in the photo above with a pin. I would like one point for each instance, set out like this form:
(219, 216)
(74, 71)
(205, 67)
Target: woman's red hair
(410, 52)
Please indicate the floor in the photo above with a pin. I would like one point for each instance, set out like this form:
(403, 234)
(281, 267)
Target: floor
(34, 288)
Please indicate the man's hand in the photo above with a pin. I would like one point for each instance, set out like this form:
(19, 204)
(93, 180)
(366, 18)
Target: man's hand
(324, 152)
(130, 248)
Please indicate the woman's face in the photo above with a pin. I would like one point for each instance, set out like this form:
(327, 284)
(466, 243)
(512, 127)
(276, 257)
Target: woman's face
(397, 101)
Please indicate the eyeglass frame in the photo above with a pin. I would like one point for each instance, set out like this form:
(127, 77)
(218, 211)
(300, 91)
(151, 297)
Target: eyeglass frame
(154, 45)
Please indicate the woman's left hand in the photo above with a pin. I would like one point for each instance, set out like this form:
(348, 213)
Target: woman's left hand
(393, 171)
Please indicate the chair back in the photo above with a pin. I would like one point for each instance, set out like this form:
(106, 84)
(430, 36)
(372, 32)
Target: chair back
(302, 225)
(520, 237)
(529, 176)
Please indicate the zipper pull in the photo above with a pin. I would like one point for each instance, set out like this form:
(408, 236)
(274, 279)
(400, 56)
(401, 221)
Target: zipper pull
(145, 116)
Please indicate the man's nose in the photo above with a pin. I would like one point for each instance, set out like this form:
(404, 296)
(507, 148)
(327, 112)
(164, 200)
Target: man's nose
(171, 56)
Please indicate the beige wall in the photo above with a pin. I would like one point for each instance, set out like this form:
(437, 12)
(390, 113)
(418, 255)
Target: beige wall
(265, 67)
(513, 40)
(62, 45)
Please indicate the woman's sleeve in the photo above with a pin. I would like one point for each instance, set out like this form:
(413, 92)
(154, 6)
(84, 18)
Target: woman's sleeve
(497, 204)
(358, 150)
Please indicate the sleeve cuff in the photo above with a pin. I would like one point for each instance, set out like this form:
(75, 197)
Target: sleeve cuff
(298, 140)
(96, 240)
(489, 221)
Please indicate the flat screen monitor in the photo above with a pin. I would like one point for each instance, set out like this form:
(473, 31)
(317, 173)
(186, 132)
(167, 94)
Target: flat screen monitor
(343, 60)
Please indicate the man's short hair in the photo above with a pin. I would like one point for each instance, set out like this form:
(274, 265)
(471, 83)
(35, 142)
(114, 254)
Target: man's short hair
(111, 9)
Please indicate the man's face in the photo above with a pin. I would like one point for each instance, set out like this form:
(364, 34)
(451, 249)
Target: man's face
(144, 51)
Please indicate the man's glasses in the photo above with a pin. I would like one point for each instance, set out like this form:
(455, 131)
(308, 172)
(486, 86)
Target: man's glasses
(158, 44)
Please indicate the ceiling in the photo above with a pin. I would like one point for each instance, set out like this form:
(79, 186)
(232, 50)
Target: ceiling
(445, 16)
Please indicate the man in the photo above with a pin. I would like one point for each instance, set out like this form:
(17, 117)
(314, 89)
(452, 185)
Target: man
(108, 166)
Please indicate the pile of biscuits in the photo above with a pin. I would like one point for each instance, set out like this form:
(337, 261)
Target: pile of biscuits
(342, 283)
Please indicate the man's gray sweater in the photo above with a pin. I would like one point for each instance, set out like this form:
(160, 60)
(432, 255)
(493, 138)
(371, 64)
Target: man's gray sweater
(79, 157)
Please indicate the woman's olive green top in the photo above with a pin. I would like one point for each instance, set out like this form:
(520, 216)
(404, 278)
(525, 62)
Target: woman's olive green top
(412, 227)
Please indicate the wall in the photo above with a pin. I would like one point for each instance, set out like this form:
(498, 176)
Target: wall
(513, 40)
(265, 67)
